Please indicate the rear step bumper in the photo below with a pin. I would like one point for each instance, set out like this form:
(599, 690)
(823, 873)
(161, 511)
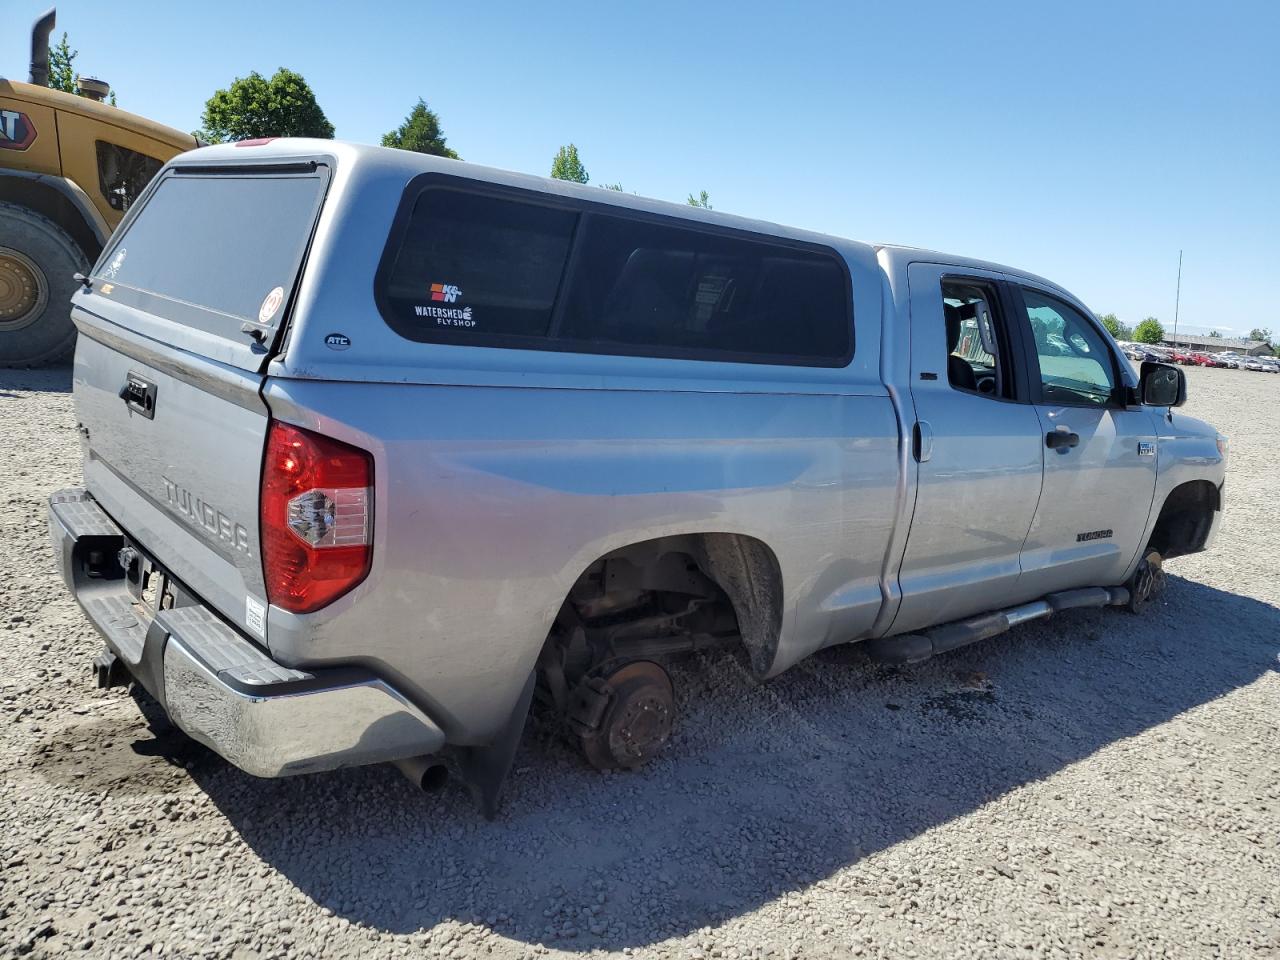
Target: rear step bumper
(218, 686)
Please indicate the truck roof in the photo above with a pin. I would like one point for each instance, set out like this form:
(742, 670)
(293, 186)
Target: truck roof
(407, 163)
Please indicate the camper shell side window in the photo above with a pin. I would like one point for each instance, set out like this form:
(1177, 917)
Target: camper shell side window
(475, 264)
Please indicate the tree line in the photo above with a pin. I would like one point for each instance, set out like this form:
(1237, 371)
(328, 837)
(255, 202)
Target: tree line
(1151, 330)
(285, 106)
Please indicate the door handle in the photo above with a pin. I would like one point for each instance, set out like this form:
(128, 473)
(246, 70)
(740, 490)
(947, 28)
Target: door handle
(922, 441)
(1057, 439)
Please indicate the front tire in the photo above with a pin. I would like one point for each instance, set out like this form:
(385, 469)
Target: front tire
(1147, 582)
(38, 260)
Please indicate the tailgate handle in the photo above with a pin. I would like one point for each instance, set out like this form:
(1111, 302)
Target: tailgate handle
(139, 395)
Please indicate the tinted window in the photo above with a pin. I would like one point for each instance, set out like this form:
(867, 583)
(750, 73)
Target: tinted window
(658, 289)
(1076, 366)
(122, 173)
(491, 270)
(220, 243)
(475, 266)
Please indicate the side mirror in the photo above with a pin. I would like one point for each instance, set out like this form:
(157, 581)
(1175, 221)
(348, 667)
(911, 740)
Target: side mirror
(1162, 385)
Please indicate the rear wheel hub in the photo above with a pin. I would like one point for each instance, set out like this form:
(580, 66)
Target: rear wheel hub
(637, 723)
(23, 290)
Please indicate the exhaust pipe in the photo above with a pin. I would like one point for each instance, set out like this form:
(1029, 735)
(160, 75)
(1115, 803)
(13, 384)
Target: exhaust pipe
(428, 774)
(40, 31)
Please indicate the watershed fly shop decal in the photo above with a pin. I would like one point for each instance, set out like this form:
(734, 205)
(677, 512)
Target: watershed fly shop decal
(445, 316)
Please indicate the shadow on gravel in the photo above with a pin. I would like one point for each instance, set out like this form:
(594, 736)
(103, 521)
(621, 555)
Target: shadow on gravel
(44, 380)
(766, 789)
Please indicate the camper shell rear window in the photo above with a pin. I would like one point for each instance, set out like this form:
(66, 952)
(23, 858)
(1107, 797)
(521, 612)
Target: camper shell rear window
(214, 248)
(483, 265)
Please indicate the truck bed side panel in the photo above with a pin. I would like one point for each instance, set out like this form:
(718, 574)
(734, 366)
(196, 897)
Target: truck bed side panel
(491, 502)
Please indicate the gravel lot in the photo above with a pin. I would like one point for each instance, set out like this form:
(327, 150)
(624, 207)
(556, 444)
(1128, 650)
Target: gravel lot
(1100, 784)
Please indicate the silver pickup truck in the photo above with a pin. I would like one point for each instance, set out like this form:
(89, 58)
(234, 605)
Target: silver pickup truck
(378, 447)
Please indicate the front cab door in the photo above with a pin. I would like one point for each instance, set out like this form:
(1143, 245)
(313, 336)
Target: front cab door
(1099, 453)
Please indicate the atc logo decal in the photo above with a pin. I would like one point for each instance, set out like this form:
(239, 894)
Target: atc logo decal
(16, 130)
(445, 291)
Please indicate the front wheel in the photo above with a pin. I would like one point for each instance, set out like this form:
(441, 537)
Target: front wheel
(38, 261)
(1147, 582)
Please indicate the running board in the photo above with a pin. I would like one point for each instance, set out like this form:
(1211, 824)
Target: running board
(915, 647)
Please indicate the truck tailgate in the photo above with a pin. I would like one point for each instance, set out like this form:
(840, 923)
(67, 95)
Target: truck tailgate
(183, 312)
(182, 482)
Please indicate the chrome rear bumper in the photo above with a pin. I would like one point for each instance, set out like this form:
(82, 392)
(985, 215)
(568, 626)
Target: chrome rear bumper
(217, 685)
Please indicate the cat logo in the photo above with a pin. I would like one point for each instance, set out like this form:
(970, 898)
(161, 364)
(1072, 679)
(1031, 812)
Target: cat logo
(17, 132)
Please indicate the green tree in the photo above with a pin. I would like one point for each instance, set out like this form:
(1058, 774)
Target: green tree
(1149, 330)
(1115, 327)
(420, 132)
(1260, 333)
(702, 200)
(1215, 335)
(254, 106)
(568, 166)
(62, 70)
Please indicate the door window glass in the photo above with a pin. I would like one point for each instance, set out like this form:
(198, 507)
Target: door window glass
(1076, 366)
(976, 360)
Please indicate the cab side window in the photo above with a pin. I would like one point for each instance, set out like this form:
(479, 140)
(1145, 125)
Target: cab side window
(123, 173)
(977, 353)
(1076, 366)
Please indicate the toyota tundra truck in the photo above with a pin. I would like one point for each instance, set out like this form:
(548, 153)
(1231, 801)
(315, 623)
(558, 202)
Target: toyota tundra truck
(379, 447)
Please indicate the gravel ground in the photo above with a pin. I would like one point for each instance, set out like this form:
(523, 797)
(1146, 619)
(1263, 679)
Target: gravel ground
(1100, 784)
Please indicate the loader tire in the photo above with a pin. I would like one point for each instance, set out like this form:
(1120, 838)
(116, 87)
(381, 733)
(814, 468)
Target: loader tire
(37, 263)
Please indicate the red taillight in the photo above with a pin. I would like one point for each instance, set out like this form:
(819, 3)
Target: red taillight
(317, 517)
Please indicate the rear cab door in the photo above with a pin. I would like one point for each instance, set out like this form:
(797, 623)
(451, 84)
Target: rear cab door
(976, 449)
(184, 309)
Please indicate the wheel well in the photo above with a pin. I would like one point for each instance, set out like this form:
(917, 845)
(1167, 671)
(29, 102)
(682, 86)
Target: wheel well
(715, 586)
(54, 205)
(1185, 519)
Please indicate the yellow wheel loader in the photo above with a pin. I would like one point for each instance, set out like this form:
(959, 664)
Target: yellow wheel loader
(70, 166)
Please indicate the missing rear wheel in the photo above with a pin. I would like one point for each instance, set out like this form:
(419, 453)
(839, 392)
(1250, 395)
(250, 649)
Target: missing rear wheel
(637, 722)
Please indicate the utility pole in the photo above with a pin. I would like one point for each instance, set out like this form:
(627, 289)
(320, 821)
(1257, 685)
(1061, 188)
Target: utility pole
(1177, 297)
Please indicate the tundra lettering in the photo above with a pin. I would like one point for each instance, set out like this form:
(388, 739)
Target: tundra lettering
(206, 515)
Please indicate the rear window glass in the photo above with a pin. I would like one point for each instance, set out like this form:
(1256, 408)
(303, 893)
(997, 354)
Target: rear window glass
(487, 270)
(663, 289)
(211, 249)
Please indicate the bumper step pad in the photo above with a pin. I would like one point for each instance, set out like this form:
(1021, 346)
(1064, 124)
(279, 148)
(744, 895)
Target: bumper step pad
(225, 652)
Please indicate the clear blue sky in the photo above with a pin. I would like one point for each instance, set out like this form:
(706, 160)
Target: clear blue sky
(1084, 141)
